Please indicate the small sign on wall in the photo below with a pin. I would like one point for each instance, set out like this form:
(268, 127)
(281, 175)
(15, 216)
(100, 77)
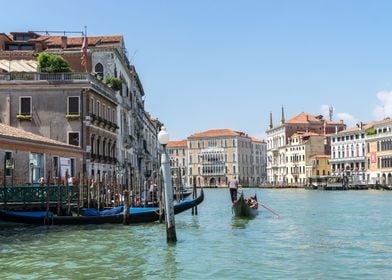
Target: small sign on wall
(373, 157)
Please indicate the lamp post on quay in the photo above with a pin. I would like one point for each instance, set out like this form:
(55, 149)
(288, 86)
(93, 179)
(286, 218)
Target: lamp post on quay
(163, 138)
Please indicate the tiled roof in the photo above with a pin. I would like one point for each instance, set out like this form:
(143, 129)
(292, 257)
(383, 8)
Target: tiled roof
(303, 118)
(217, 133)
(380, 122)
(177, 144)
(20, 134)
(257, 140)
(78, 41)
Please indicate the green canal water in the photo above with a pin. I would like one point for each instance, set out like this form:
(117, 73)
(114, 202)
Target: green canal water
(320, 235)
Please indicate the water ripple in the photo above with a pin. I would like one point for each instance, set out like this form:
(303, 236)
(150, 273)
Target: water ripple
(321, 235)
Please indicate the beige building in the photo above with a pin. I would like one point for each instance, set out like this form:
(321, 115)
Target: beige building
(213, 157)
(278, 139)
(301, 147)
(178, 151)
(379, 148)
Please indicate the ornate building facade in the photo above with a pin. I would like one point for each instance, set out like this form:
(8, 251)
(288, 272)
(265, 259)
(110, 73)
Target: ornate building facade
(349, 153)
(278, 139)
(215, 156)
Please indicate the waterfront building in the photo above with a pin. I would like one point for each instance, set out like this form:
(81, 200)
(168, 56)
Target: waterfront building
(259, 162)
(213, 157)
(349, 154)
(379, 152)
(118, 136)
(319, 166)
(28, 157)
(302, 146)
(178, 153)
(278, 139)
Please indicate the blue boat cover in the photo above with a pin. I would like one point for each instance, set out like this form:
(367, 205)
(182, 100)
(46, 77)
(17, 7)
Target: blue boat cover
(95, 212)
(34, 214)
(142, 209)
(120, 209)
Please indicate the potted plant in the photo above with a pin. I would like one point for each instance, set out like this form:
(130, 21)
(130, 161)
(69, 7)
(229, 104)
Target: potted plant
(113, 82)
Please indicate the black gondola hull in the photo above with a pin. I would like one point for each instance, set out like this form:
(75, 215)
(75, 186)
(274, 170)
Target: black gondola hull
(137, 217)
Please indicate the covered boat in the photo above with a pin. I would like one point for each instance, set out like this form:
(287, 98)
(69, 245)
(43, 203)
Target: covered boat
(245, 207)
(92, 216)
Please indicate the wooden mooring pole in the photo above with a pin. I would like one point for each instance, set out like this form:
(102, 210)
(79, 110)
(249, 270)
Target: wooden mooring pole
(126, 208)
(194, 195)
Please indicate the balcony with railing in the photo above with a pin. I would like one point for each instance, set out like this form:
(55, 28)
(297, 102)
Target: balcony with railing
(58, 78)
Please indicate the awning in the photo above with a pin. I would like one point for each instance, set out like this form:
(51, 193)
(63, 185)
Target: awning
(18, 65)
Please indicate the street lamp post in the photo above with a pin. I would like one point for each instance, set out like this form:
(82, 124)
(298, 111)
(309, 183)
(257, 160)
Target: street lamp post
(163, 138)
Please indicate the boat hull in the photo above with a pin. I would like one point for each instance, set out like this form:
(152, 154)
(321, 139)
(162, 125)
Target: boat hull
(241, 208)
(135, 216)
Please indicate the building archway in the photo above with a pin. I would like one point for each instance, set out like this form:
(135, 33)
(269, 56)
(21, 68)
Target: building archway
(383, 179)
(212, 182)
(389, 180)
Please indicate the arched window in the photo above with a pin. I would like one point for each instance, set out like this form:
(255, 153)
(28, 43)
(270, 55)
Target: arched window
(98, 69)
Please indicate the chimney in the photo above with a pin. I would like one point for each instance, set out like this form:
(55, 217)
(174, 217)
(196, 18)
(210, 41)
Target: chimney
(271, 125)
(283, 120)
(64, 42)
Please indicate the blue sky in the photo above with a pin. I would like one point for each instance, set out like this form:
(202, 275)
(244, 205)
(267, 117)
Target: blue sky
(227, 64)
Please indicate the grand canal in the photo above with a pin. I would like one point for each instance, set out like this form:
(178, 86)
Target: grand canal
(320, 235)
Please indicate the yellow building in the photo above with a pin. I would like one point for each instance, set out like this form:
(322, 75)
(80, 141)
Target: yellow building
(319, 166)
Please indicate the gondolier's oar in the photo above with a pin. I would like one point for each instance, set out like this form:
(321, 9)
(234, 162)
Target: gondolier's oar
(272, 211)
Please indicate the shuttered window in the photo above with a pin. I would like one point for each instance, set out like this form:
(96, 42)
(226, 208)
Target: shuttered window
(73, 105)
(25, 105)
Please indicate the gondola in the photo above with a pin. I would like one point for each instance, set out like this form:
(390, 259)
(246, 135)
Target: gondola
(245, 207)
(90, 216)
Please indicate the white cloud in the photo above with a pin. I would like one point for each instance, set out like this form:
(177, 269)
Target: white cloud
(324, 110)
(384, 109)
(348, 119)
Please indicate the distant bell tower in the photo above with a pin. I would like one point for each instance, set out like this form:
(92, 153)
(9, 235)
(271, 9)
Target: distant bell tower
(330, 112)
(282, 120)
(271, 125)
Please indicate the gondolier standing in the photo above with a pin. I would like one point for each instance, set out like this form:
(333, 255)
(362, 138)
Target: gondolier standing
(233, 187)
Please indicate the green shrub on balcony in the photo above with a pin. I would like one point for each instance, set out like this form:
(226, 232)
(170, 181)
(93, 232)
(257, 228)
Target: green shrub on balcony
(371, 131)
(24, 117)
(113, 82)
(52, 63)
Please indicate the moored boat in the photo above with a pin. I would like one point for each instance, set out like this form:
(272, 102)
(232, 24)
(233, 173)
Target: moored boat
(92, 216)
(245, 207)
